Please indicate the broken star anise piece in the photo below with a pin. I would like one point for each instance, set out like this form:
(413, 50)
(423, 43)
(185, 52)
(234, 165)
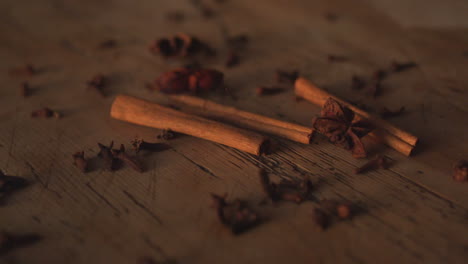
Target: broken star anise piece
(285, 190)
(339, 125)
(236, 215)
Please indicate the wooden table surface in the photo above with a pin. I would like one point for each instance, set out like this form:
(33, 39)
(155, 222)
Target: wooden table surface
(414, 212)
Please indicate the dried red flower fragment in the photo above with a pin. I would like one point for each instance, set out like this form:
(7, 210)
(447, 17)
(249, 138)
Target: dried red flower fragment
(263, 90)
(97, 82)
(330, 211)
(127, 159)
(189, 80)
(460, 171)
(236, 215)
(285, 190)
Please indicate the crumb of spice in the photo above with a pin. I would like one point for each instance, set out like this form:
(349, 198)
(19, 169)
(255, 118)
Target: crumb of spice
(97, 83)
(236, 215)
(460, 171)
(263, 90)
(80, 162)
(189, 80)
(285, 190)
(380, 162)
(45, 113)
(167, 134)
(386, 113)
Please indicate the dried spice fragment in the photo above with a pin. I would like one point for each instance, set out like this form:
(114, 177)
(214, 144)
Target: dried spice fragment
(179, 45)
(80, 162)
(232, 60)
(338, 124)
(336, 58)
(105, 153)
(167, 134)
(140, 144)
(286, 76)
(375, 85)
(386, 113)
(321, 219)
(127, 159)
(26, 70)
(263, 90)
(25, 90)
(330, 211)
(460, 171)
(237, 215)
(331, 17)
(10, 241)
(357, 82)
(97, 83)
(378, 163)
(402, 66)
(10, 184)
(45, 113)
(285, 190)
(343, 211)
(188, 80)
(107, 44)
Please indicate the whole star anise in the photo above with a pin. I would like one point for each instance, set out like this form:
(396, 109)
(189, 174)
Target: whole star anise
(339, 125)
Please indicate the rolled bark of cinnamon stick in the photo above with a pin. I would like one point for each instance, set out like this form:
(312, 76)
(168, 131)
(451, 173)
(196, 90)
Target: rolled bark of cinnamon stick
(145, 113)
(245, 119)
(385, 132)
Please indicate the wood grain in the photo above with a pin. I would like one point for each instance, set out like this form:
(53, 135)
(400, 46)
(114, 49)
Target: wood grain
(412, 213)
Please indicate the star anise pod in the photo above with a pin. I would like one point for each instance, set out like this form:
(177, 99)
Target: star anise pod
(339, 125)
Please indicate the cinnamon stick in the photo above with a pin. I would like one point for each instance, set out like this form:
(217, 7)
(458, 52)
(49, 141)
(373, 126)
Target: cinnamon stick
(385, 132)
(210, 109)
(142, 112)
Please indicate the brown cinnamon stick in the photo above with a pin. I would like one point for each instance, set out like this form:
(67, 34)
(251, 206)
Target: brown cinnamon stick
(385, 132)
(142, 112)
(210, 109)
